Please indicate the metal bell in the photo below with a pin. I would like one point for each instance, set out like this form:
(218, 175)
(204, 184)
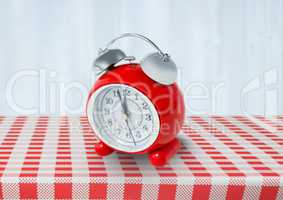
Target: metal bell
(108, 58)
(160, 68)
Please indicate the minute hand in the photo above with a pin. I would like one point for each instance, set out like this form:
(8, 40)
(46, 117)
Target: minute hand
(124, 107)
(133, 138)
(122, 103)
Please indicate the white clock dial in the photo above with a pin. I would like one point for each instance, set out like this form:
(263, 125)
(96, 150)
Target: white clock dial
(123, 117)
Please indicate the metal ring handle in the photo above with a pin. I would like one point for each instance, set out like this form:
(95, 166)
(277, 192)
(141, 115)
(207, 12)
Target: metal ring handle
(164, 55)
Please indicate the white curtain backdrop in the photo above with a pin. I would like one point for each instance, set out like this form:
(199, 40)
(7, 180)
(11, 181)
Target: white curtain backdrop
(229, 53)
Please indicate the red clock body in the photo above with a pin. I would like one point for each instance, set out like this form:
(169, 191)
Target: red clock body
(167, 100)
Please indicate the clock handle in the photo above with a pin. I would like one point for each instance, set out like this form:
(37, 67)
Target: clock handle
(158, 65)
(164, 56)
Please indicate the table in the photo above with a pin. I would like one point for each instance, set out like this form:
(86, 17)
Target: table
(222, 157)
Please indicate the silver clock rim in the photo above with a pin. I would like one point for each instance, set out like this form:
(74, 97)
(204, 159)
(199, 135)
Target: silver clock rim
(116, 145)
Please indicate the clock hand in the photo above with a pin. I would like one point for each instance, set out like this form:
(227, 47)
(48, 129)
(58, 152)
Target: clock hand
(130, 131)
(122, 103)
(129, 114)
(126, 113)
(126, 105)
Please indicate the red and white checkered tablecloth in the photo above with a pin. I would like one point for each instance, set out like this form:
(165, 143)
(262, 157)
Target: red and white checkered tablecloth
(233, 157)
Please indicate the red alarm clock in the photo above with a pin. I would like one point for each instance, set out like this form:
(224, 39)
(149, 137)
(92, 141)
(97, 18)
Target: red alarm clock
(136, 108)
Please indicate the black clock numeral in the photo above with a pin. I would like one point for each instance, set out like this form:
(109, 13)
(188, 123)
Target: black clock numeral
(138, 134)
(106, 111)
(109, 122)
(109, 101)
(126, 92)
(148, 117)
(115, 93)
(136, 96)
(145, 128)
(144, 105)
(118, 131)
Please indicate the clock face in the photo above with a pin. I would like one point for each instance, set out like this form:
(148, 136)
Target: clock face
(123, 117)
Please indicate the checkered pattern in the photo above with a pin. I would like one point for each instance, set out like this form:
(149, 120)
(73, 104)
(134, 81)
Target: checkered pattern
(233, 157)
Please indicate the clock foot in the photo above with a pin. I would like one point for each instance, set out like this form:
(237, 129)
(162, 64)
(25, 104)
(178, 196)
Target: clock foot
(162, 156)
(102, 149)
